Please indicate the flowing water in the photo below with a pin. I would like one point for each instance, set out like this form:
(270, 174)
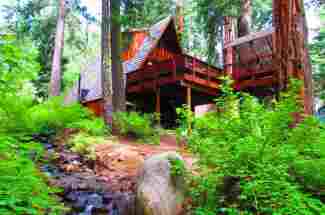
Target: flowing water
(84, 192)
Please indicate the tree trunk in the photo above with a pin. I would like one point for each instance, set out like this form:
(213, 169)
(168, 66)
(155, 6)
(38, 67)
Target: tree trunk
(55, 83)
(180, 16)
(117, 71)
(308, 74)
(105, 62)
(245, 19)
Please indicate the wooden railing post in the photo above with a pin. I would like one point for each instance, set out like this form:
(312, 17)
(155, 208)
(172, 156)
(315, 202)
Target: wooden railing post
(158, 105)
(189, 106)
(174, 68)
(209, 78)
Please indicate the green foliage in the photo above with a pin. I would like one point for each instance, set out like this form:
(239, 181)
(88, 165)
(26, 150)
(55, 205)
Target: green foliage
(36, 20)
(54, 115)
(85, 144)
(257, 145)
(139, 14)
(317, 56)
(262, 14)
(177, 167)
(17, 64)
(140, 126)
(93, 126)
(184, 120)
(208, 20)
(21, 117)
(23, 189)
(311, 173)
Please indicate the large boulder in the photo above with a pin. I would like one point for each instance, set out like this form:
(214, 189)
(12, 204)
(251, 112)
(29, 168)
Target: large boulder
(159, 190)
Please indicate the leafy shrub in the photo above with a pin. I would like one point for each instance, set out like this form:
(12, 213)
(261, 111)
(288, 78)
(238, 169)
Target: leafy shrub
(311, 173)
(140, 126)
(257, 145)
(94, 126)
(185, 120)
(85, 144)
(22, 187)
(22, 118)
(54, 115)
(177, 167)
(13, 114)
(18, 64)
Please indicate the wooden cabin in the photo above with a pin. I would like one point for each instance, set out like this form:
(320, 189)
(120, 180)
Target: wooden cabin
(159, 76)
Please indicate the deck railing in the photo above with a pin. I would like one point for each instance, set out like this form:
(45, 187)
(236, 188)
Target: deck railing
(181, 67)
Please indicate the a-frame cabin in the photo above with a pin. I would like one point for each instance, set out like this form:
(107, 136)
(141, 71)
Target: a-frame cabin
(159, 76)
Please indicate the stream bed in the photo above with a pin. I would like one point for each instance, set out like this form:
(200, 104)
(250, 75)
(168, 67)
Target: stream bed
(83, 191)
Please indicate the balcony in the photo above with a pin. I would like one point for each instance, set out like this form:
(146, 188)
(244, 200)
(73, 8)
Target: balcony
(180, 69)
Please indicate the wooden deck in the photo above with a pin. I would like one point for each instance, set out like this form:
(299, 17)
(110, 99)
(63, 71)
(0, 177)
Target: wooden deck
(181, 69)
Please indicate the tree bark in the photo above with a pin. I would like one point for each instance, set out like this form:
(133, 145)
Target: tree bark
(105, 62)
(117, 71)
(55, 83)
(245, 19)
(308, 74)
(180, 16)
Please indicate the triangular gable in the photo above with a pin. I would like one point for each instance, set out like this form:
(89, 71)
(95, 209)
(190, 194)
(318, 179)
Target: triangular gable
(155, 33)
(91, 77)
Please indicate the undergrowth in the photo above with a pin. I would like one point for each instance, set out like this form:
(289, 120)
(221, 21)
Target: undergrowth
(24, 190)
(253, 160)
(85, 144)
(137, 125)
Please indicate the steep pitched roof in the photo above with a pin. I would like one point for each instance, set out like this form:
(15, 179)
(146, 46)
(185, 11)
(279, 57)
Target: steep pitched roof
(149, 43)
(91, 78)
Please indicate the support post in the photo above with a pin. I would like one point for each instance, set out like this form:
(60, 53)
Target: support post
(158, 105)
(189, 106)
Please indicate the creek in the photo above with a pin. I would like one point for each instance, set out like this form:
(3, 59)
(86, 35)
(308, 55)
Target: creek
(82, 190)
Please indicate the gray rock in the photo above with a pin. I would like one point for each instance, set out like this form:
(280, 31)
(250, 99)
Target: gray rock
(158, 192)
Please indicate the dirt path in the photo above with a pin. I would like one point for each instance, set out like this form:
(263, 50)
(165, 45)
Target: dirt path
(119, 162)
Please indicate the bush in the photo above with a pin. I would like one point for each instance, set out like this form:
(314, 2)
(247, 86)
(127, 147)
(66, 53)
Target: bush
(55, 115)
(311, 174)
(95, 126)
(22, 187)
(85, 144)
(140, 126)
(21, 117)
(256, 146)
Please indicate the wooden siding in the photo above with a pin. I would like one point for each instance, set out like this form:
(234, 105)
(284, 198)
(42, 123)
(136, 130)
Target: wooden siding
(96, 107)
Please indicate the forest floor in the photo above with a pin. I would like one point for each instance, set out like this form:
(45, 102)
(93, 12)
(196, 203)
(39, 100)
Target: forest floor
(108, 183)
(122, 161)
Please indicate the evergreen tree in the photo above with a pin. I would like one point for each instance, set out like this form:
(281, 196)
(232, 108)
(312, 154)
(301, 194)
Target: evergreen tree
(106, 69)
(55, 84)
